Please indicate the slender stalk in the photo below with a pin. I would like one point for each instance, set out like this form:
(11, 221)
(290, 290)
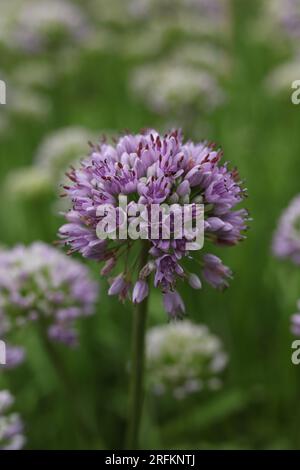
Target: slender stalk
(136, 394)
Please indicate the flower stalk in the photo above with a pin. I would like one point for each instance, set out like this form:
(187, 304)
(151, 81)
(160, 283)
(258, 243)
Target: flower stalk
(136, 392)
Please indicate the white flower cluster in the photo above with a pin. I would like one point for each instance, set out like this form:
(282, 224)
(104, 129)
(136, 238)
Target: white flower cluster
(38, 23)
(183, 357)
(54, 156)
(174, 86)
(62, 148)
(185, 41)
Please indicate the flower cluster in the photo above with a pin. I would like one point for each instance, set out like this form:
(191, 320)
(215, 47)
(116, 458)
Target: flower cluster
(55, 154)
(153, 169)
(27, 183)
(286, 240)
(39, 283)
(182, 358)
(11, 426)
(170, 86)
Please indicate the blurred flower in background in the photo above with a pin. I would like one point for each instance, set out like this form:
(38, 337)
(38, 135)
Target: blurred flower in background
(183, 358)
(40, 284)
(57, 152)
(280, 80)
(183, 14)
(174, 87)
(25, 101)
(61, 149)
(29, 104)
(279, 26)
(15, 355)
(45, 24)
(11, 426)
(286, 15)
(295, 327)
(184, 78)
(286, 240)
(27, 184)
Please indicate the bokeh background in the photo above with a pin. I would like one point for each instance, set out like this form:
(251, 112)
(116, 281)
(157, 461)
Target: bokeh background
(223, 74)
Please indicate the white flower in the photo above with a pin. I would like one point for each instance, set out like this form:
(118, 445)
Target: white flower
(171, 86)
(62, 148)
(183, 358)
(39, 21)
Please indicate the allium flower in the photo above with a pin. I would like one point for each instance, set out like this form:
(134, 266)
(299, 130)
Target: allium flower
(11, 426)
(286, 240)
(41, 23)
(183, 358)
(38, 283)
(170, 86)
(149, 168)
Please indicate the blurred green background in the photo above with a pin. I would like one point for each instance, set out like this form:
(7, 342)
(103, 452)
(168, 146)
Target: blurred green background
(259, 133)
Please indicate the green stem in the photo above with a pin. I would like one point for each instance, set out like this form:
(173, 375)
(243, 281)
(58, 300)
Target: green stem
(136, 396)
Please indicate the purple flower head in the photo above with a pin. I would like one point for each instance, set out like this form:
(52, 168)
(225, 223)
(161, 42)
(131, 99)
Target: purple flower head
(150, 169)
(286, 240)
(39, 283)
(11, 426)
